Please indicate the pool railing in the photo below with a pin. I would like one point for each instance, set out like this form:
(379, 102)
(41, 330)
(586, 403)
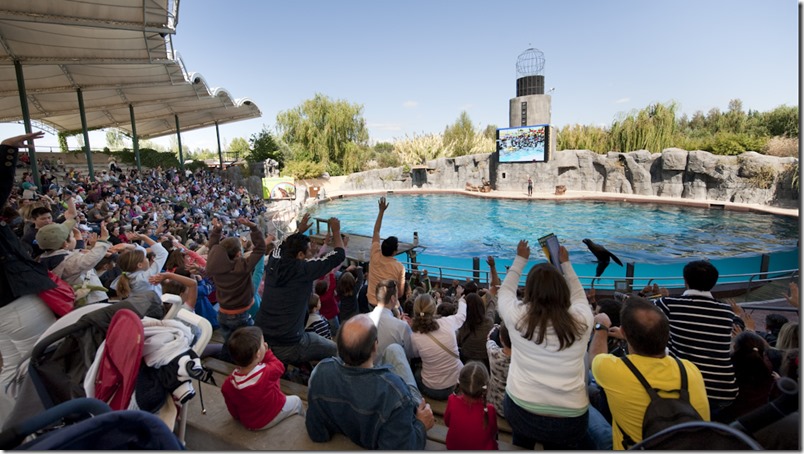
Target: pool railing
(736, 273)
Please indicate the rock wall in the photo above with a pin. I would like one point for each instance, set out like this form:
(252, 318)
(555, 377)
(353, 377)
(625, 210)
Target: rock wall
(748, 178)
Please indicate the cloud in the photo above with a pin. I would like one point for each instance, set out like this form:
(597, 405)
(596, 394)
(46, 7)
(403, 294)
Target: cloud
(410, 104)
(622, 101)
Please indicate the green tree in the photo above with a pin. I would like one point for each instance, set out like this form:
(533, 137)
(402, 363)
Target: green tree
(490, 132)
(460, 136)
(782, 121)
(321, 130)
(114, 139)
(239, 146)
(263, 146)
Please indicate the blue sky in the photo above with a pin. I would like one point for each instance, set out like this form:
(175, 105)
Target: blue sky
(415, 65)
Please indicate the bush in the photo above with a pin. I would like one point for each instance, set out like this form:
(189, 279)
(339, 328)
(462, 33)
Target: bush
(782, 146)
(303, 169)
(195, 165)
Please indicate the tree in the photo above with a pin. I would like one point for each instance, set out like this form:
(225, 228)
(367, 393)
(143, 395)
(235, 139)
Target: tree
(114, 139)
(239, 146)
(490, 132)
(263, 146)
(323, 130)
(460, 136)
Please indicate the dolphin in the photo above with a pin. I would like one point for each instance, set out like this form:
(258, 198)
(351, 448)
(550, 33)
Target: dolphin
(602, 255)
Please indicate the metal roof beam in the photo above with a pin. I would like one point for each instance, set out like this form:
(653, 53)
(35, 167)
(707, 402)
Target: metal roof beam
(21, 16)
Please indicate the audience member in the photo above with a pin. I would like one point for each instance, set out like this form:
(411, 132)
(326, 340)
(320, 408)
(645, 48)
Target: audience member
(701, 331)
(251, 392)
(288, 284)
(546, 400)
(349, 284)
(471, 421)
(231, 272)
(315, 322)
(390, 329)
(500, 361)
(434, 339)
(788, 336)
(383, 265)
(369, 404)
(754, 374)
(472, 335)
(647, 331)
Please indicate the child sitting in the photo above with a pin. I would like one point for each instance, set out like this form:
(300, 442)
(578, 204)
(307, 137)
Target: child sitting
(315, 322)
(63, 256)
(252, 393)
(499, 361)
(472, 422)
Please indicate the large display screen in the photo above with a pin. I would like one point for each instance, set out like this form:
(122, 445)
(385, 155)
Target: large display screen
(522, 144)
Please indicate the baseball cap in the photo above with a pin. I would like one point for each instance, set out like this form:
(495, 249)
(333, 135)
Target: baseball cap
(53, 236)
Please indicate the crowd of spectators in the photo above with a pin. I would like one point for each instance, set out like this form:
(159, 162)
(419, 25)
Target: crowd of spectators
(373, 342)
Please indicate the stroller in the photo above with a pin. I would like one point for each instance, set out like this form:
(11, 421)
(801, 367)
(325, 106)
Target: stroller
(101, 350)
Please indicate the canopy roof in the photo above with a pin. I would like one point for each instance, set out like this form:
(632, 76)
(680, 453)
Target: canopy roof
(118, 53)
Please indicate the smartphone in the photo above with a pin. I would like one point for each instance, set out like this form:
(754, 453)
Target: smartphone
(550, 247)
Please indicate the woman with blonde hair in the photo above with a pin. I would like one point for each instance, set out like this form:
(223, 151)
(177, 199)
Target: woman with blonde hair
(434, 339)
(546, 400)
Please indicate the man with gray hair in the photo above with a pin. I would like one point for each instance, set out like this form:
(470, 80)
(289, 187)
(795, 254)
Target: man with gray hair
(368, 403)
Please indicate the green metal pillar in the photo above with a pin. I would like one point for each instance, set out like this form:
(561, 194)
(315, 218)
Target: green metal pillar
(181, 153)
(134, 139)
(220, 153)
(86, 134)
(26, 118)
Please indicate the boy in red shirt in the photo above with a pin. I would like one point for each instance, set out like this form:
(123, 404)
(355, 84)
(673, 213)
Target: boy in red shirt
(252, 393)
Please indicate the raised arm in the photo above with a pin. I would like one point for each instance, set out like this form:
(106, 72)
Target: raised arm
(383, 205)
(511, 282)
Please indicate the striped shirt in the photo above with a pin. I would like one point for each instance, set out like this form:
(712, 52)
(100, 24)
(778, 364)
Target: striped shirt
(700, 332)
(319, 325)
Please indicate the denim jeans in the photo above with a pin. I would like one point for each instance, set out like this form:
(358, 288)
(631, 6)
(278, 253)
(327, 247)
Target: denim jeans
(395, 357)
(552, 432)
(311, 347)
(599, 430)
(229, 323)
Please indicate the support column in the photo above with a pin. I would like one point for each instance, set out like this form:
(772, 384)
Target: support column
(134, 139)
(181, 153)
(26, 118)
(220, 153)
(86, 134)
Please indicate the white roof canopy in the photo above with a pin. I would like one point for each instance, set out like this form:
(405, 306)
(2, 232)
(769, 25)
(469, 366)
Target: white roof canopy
(118, 53)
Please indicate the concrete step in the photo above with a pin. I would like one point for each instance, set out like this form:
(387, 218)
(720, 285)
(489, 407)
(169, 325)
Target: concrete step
(223, 369)
(216, 430)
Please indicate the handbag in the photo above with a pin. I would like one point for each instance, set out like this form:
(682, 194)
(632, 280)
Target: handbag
(60, 299)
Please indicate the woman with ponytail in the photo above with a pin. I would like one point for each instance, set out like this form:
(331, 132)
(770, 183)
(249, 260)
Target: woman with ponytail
(434, 339)
(136, 268)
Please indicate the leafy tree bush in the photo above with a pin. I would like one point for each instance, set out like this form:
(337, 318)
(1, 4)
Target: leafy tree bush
(303, 169)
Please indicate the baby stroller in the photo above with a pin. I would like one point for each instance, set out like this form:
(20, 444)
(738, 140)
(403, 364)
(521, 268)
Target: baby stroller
(769, 422)
(102, 350)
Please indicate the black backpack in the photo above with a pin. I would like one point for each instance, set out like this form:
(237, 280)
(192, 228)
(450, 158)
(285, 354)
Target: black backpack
(662, 412)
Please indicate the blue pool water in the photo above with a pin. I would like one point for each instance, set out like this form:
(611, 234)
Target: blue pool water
(660, 239)
(464, 227)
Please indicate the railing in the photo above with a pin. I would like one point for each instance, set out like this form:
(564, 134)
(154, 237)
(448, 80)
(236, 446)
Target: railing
(741, 281)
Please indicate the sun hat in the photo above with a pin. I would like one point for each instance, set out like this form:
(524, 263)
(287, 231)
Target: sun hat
(53, 236)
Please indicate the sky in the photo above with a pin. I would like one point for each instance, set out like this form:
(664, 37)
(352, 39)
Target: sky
(415, 65)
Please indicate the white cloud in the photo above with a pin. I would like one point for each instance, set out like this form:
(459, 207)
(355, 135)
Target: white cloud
(622, 101)
(410, 104)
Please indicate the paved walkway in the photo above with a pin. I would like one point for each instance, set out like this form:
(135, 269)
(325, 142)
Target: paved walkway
(334, 188)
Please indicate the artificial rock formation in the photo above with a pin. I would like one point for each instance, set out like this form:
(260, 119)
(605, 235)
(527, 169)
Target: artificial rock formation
(747, 178)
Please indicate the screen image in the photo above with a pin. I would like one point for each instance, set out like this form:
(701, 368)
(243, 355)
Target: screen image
(522, 144)
(279, 188)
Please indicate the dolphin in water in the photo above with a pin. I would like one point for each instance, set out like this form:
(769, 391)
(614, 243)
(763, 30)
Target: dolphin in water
(602, 255)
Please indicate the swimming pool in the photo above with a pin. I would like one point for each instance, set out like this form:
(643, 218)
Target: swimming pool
(659, 238)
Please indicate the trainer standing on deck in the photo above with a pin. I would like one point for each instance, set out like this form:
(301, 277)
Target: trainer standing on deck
(382, 264)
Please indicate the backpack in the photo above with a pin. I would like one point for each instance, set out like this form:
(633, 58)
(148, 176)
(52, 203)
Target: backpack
(662, 412)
